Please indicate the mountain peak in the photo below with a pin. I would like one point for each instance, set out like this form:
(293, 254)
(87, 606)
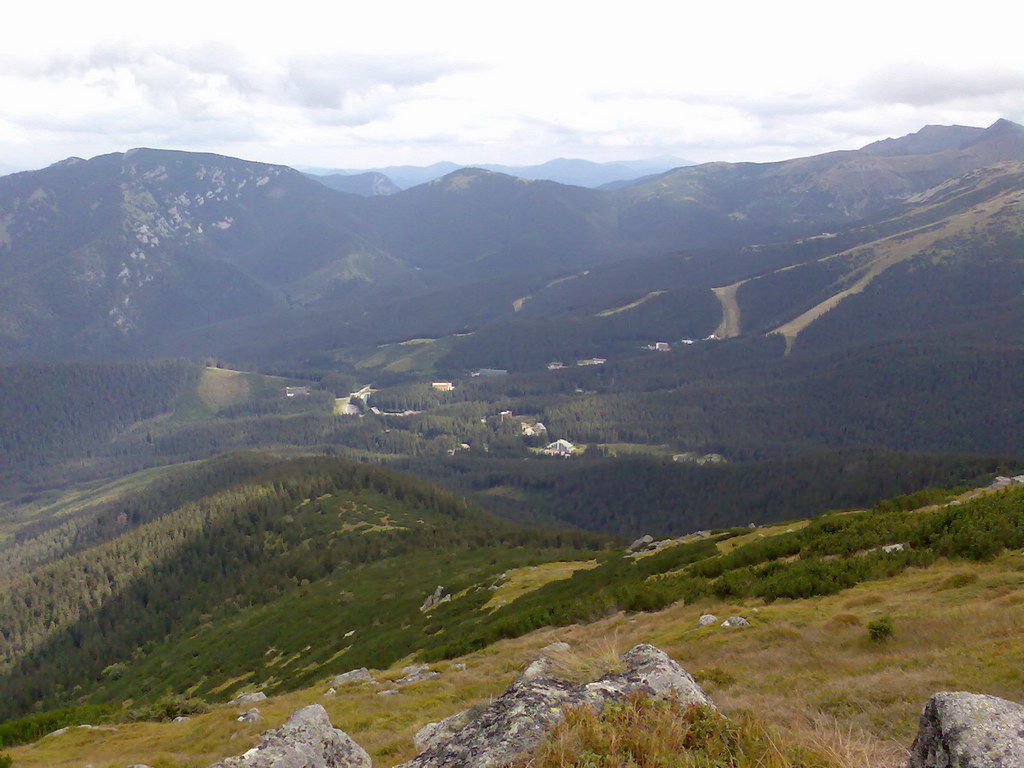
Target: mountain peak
(1004, 126)
(927, 141)
(463, 178)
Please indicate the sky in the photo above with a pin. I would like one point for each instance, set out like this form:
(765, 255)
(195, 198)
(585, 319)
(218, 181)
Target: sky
(359, 85)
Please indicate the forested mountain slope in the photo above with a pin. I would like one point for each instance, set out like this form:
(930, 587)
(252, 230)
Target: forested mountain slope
(146, 251)
(259, 532)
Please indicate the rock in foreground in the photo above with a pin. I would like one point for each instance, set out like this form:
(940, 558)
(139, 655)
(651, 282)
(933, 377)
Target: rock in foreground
(519, 719)
(306, 740)
(969, 730)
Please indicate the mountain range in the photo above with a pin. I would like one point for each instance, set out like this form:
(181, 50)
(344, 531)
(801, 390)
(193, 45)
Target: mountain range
(264, 441)
(118, 254)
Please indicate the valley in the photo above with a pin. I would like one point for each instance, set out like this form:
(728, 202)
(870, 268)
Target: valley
(257, 432)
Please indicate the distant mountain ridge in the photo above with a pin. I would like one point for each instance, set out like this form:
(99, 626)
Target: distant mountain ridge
(369, 184)
(114, 254)
(575, 172)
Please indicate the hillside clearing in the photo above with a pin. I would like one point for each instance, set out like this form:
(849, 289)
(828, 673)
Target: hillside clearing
(630, 305)
(519, 581)
(730, 325)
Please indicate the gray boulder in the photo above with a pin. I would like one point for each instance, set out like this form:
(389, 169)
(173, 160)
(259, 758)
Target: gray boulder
(517, 721)
(251, 716)
(306, 740)
(707, 619)
(248, 698)
(735, 621)
(556, 647)
(361, 675)
(181, 719)
(968, 730)
(416, 673)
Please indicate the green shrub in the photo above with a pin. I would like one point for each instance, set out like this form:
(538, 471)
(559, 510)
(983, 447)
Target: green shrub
(6, 761)
(880, 629)
(958, 580)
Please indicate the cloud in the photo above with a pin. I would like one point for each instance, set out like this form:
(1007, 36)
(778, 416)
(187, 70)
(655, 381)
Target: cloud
(213, 83)
(919, 86)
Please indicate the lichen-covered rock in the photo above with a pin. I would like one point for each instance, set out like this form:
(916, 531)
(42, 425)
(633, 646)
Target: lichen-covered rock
(361, 675)
(535, 702)
(707, 619)
(735, 621)
(432, 734)
(306, 740)
(969, 730)
(651, 671)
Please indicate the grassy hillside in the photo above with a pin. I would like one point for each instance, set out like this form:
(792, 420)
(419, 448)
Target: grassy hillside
(238, 554)
(806, 676)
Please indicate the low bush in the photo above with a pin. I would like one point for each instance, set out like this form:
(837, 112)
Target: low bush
(880, 629)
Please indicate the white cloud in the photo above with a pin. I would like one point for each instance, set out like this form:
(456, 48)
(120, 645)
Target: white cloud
(333, 84)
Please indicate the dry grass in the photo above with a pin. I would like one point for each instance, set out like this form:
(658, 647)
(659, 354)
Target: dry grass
(729, 545)
(593, 658)
(806, 672)
(643, 734)
(220, 387)
(519, 581)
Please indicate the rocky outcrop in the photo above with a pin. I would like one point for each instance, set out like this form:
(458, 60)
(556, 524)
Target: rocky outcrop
(306, 740)
(707, 619)
(416, 673)
(969, 730)
(640, 544)
(536, 701)
(435, 599)
(361, 675)
(736, 621)
(1004, 482)
(250, 716)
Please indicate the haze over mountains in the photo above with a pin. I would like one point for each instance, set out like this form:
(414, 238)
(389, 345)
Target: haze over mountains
(581, 173)
(118, 254)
